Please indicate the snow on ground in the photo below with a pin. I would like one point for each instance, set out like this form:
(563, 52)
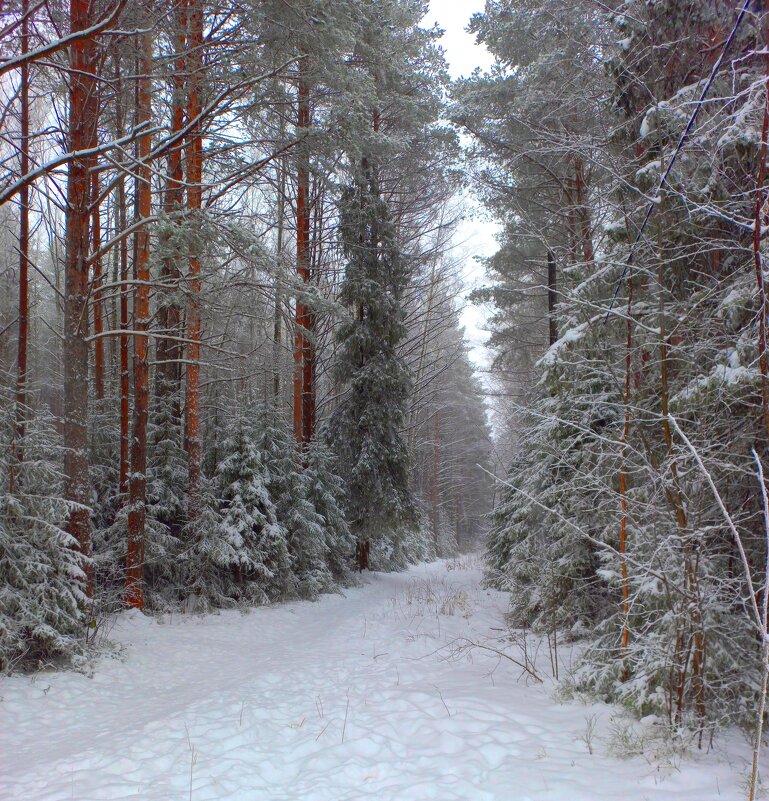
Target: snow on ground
(367, 696)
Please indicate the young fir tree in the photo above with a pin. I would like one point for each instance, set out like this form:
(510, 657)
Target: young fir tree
(42, 580)
(248, 540)
(288, 487)
(558, 487)
(365, 428)
(212, 559)
(165, 514)
(326, 492)
(167, 465)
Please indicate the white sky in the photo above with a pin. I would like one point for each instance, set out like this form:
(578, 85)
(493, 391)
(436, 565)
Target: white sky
(462, 53)
(475, 236)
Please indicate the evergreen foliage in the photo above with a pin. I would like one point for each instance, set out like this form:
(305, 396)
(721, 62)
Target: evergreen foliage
(288, 486)
(325, 492)
(660, 600)
(252, 542)
(167, 468)
(42, 579)
(180, 276)
(365, 428)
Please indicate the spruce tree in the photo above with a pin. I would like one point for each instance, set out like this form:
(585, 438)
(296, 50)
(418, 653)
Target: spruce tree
(251, 542)
(42, 578)
(288, 487)
(365, 428)
(326, 492)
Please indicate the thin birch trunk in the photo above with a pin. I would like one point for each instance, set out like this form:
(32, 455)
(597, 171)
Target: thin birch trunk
(422, 353)
(436, 483)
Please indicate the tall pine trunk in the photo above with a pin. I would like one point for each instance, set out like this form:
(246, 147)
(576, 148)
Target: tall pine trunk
(277, 322)
(137, 510)
(121, 222)
(82, 135)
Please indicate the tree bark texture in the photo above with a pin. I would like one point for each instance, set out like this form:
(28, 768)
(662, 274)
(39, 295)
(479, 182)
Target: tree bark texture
(552, 297)
(137, 510)
(82, 135)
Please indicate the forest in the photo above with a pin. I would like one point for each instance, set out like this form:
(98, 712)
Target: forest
(234, 370)
(625, 155)
(231, 355)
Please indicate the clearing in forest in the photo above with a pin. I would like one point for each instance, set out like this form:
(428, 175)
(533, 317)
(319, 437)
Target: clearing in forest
(375, 694)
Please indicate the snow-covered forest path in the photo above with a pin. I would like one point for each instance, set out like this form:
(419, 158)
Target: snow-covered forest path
(353, 697)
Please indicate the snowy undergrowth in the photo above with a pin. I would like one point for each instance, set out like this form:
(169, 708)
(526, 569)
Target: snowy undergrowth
(410, 688)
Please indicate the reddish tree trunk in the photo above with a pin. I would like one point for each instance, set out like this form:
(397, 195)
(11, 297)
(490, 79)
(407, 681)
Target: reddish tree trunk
(138, 479)
(194, 156)
(122, 223)
(310, 361)
(83, 113)
(571, 220)
(125, 382)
